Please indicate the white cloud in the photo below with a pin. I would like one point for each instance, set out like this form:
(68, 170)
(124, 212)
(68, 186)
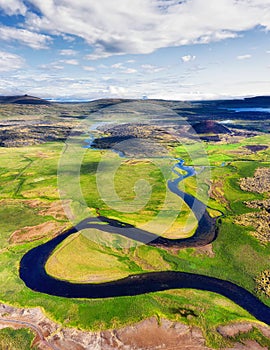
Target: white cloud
(100, 53)
(106, 78)
(31, 39)
(123, 69)
(91, 86)
(71, 62)
(51, 66)
(68, 52)
(13, 7)
(68, 38)
(103, 66)
(113, 28)
(117, 65)
(89, 68)
(9, 61)
(188, 58)
(130, 71)
(116, 90)
(243, 57)
(150, 68)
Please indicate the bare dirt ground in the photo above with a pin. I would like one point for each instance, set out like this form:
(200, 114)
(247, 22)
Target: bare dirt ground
(235, 329)
(205, 250)
(145, 335)
(54, 209)
(32, 233)
(216, 192)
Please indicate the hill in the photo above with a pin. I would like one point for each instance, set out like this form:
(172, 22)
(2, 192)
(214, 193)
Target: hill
(210, 127)
(24, 99)
(248, 102)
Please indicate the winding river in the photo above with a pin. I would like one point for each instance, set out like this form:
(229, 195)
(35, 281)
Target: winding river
(33, 273)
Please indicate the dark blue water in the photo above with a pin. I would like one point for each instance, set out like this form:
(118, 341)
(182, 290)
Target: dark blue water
(249, 109)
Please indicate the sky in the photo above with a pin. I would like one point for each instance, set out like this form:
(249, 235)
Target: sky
(169, 49)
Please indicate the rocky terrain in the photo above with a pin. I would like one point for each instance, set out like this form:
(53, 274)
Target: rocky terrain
(263, 283)
(259, 204)
(137, 139)
(13, 135)
(155, 139)
(259, 183)
(258, 220)
(149, 334)
(24, 125)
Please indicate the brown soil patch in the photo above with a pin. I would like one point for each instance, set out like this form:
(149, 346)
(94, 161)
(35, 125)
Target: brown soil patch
(33, 233)
(136, 161)
(149, 334)
(260, 183)
(216, 192)
(205, 250)
(33, 203)
(234, 329)
(54, 209)
(41, 154)
(248, 345)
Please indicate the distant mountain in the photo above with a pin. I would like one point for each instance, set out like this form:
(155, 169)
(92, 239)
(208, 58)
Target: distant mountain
(209, 127)
(249, 102)
(24, 99)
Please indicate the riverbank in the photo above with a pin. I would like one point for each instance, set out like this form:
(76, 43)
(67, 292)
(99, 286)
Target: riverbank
(148, 334)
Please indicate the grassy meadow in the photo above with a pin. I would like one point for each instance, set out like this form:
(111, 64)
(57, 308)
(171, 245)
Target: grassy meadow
(29, 184)
(21, 339)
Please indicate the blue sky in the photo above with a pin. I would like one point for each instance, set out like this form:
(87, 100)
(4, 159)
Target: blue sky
(171, 49)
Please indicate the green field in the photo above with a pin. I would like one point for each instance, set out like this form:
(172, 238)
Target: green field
(30, 173)
(16, 339)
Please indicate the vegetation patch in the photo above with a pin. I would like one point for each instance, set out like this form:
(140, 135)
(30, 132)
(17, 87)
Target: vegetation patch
(41, 192)
(78, 259)
(20, 339)
(102, 261)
